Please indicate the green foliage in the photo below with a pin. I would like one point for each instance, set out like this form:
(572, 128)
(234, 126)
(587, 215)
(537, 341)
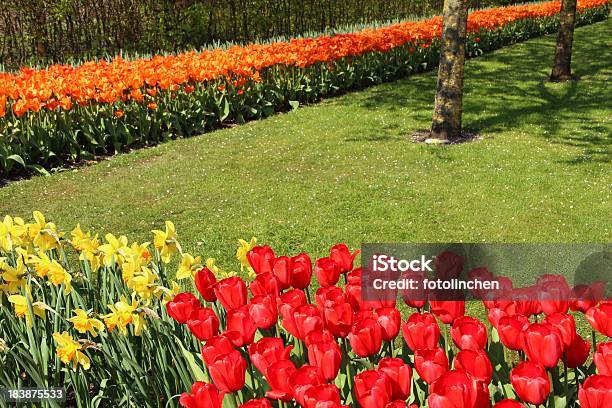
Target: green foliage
(54, 138)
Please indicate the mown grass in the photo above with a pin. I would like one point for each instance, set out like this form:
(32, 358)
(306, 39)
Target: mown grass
(346, 169)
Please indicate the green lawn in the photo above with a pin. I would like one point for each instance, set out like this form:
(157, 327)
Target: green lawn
(346, 169)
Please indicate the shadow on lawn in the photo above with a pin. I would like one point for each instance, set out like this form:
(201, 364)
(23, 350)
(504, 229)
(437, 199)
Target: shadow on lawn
(509, 90)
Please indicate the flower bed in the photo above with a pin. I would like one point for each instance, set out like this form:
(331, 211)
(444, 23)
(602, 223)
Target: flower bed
(109, 322)
(64, 114)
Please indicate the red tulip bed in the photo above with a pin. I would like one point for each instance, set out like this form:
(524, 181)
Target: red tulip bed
(282, 345)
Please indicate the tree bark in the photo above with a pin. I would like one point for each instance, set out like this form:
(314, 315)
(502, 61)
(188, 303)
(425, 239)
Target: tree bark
(562, 69)
(448, 109)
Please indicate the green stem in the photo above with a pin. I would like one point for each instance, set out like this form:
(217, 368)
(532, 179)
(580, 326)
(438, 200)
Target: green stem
(233, 399)
(565, 384)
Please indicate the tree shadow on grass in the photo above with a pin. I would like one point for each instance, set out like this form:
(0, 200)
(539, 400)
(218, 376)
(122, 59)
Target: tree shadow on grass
(509, 90)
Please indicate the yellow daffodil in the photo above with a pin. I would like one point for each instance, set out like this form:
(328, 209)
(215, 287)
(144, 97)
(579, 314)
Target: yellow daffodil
(143, 283)
(12, 232)
(188, 267)
(20, 306)
(137, 256)
(43, 234)
(83, 323)
(13, 277)
(87, 247)
(69, 351)
(114, 250)
(58, 275)
(242, 251)
(122, 314)
(165, 242)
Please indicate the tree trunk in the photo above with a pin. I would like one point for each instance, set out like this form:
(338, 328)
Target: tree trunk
(562, 70)
(449, 96)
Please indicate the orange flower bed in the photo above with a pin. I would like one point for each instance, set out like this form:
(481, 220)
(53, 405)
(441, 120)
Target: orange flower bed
(64, 113)
(108, 82)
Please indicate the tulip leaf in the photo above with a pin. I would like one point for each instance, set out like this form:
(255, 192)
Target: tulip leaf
(17, 158)
(198, 374)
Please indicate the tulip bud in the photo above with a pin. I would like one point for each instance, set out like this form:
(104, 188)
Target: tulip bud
(205, 283)
(181, 307)
(430, 364)
(301, 271)
(530, 382)
(240, 327)
(469, 333)
(263, 311)
(203, 323)
(390, 320)
(373, 389)
(399, 374)
(327, 356)
(421, 331)
(260, 258)
(202, 395)
(327, 272)
(510, 330)
(542, 344)
(231, 292)
(366, 337)
(227, 371)
(342, 256)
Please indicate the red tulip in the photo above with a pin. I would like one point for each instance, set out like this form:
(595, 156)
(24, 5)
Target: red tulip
(329, 296)
(510, 330)
(240, 327)
(301, 320)
(469, 333)
(227, 371)
(354, 276)
(566, 326)
(400, 375)
(231, 292)
(400, 404)
(214, 347)
(587, 296)
(525, 301)
(263, 311)
(448, 265)
(281, 268)
(318, 336)
(260, 258)
(291, 299)
(577, 353)
(353, 296)
(323, 396)
(327, 356)
(302, 380)
(277, 375)
(390, 320)
(600, 318)
(530, 382)
(475, 363)
(508, 403)
(342, 256)
(267, 351)
(339, 318)
(366, 337)
(430, 364)
(454, 389)
(554, 294)
(483, 397)
(373, 389)
(257, 403)
(414, 297)
(265, 284)
(203, 323)
(327, 271)
(542, 344)
(494, 315)
(447, 310)
(202, 395)
(603, 358)
(301, 271)
(596, 392)
(421, 331)
(181, 307)
(205, 283)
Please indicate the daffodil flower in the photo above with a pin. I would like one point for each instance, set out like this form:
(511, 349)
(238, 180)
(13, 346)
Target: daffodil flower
(69, 351)
(43, 234)
(188, 267)
(83, 323)
(243, 250)
(114, 250)
(165, 242)
(20, 306)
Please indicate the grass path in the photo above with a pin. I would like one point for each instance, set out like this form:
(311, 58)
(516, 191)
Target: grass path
(345, 169)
